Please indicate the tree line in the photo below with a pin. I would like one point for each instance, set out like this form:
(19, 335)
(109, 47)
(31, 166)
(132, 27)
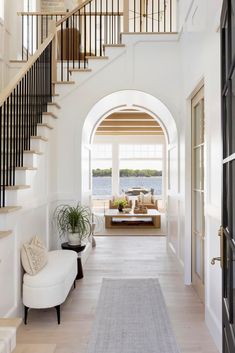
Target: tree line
(127, 172)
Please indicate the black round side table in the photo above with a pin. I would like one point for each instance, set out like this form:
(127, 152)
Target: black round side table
(78, 249)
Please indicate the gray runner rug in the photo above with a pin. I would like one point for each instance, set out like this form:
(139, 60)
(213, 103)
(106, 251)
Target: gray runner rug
(132, 317)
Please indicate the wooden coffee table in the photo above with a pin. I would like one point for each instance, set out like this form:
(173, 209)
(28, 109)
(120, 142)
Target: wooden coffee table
(116, 219)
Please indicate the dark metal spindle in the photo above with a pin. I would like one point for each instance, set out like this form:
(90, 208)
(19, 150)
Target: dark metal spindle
(153, 15)
(95, 27)
(159, 9)
(100, 27)
(4, 155)
(164, 17)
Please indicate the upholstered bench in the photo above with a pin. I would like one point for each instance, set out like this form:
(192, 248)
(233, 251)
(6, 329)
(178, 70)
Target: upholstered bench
(51, 285)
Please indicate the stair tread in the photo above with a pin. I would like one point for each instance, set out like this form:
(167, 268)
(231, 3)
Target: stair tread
(33, 151)
(63, 82)
(38, 137)
(80, 70)
(50, 114)
(97, 57)
(17, 187)
(5, 233)
(9, 209)
(114, 45)
(46, 125)
(26, 168)
(54, 104)
(13, 322)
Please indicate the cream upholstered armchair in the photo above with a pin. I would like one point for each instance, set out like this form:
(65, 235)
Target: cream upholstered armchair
(147, 200)
(114, 198)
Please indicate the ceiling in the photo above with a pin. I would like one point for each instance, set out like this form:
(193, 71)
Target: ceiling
(129, 122)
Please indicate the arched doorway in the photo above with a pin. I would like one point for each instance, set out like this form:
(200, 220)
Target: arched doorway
(129, 99)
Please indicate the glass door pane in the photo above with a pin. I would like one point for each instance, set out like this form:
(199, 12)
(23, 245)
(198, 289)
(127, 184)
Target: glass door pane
(198, 193)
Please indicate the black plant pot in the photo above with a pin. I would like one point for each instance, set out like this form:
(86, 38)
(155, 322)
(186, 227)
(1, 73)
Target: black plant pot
(120, 208)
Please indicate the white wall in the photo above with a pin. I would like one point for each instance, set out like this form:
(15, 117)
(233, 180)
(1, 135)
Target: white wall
(200, 60)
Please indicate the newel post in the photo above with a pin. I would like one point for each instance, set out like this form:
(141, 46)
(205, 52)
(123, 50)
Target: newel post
(126, 16)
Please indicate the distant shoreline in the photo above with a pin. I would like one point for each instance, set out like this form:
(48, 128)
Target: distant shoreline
(127, 173)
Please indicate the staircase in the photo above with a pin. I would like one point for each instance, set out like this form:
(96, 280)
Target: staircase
(78, 46)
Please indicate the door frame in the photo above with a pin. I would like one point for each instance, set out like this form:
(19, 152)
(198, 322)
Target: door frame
(196, 282)
(228, 199)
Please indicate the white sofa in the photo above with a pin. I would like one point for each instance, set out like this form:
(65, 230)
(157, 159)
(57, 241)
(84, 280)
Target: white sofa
(50, 287)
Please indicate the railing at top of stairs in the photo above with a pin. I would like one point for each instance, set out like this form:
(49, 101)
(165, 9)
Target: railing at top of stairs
(83, 31)
(78, 35)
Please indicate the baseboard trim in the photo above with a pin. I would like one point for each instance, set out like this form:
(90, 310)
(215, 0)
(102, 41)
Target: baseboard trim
(215, 327)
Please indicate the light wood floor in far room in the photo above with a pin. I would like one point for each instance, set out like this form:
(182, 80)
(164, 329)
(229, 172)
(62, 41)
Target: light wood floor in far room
(122, 257)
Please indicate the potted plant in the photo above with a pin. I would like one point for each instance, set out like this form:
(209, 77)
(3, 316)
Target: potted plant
(73, 221)
(120, 203)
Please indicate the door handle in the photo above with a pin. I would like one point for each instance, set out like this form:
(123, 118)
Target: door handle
(215, 259)
(221, 257)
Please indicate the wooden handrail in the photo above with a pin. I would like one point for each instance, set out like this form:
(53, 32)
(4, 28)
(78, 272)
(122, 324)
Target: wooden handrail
(71, 13)
(53, 14)
(13, 83)
(38, 13)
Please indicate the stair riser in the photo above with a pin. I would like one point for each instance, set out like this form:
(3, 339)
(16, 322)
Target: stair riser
(31, 160)
(38, 145)
(47, 119)
(43, 131)
(18, 197)
(24, 177)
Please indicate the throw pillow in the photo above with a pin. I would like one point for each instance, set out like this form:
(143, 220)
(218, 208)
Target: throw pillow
(33, 256)
(147, 198)
(141, 197)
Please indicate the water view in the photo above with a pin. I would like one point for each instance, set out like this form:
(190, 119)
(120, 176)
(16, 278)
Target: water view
(102, 186)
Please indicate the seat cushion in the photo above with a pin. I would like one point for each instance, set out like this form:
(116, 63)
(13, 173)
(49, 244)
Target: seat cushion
(60, 263)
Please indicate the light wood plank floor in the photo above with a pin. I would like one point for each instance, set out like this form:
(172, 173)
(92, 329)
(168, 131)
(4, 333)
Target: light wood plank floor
(122, 257)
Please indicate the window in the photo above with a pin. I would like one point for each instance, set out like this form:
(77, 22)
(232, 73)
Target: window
(102, 170)
(141, 166)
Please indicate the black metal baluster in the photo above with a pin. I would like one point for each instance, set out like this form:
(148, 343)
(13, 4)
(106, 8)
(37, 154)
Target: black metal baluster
(118, 22)
(32, 35)
(36, 31)
(4, 156)
(159, 10)
(106, 23)
(46, 25)
(170, 15)
(164, 18)
(95, 27)
(67, 47)
(112, 29)
(1, 142)
(100, 27)
(18, 90)
(27, 37)
(11, 141)
(85, 42)
(80, 38)
(14, 134)
(74, 41)
(22, 33)
(134, 15)
(90, 28)
(140, 15)
(61, 52)
(7, 142)
(153, 15)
